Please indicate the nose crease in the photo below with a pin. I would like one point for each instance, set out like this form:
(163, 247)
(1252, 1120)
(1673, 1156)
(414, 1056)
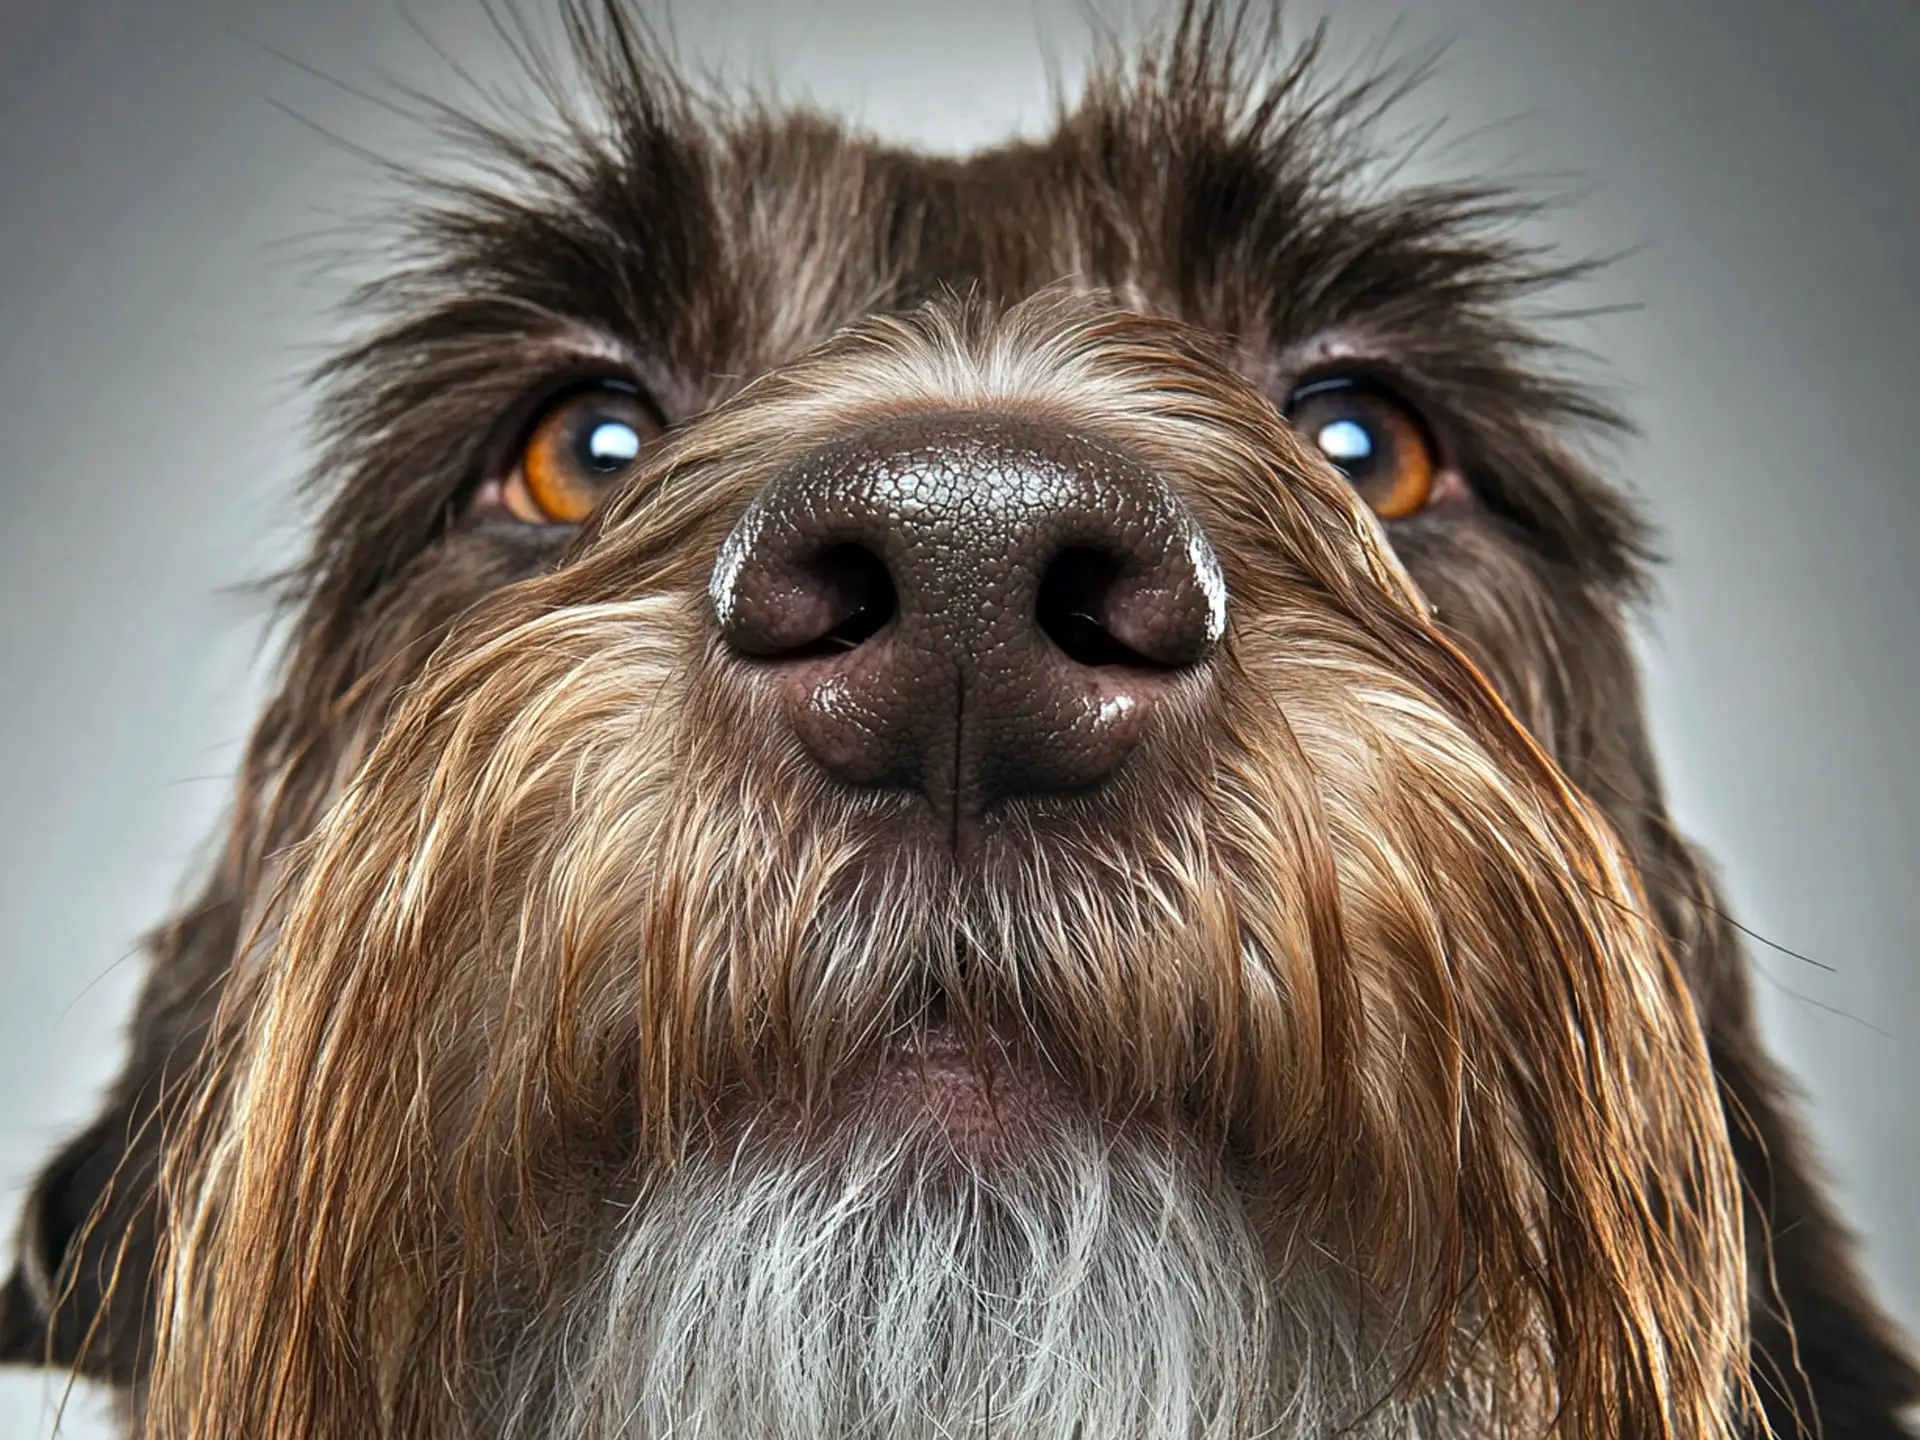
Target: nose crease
(976, 608)
(954, 808)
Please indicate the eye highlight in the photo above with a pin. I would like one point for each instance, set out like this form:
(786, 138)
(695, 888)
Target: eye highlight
(580, 446)
(1372, 436)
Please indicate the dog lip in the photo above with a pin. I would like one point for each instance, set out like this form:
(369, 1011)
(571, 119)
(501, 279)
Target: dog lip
(983, 1098)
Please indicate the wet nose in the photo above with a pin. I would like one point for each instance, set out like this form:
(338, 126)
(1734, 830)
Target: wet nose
(973, 607)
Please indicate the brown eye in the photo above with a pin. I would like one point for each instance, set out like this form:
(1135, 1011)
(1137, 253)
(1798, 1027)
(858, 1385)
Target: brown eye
(1371, 436)
(580, 446)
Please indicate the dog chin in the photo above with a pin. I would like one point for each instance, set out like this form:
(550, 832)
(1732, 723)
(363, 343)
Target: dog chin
(900, 1270)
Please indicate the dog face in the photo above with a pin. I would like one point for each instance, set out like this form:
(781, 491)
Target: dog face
(920, 797)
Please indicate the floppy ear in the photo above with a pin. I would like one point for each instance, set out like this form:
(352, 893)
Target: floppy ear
(1826, 1360)
(21, 1332)
(77, 1296)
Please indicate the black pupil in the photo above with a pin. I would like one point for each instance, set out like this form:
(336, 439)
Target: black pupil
(607, 444)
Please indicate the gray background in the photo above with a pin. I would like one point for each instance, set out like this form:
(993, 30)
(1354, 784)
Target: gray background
(161, 227)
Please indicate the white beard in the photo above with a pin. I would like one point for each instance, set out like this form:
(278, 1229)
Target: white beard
(1101, 1287)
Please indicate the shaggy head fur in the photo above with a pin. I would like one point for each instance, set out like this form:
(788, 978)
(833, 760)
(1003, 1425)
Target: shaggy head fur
(562, 1051)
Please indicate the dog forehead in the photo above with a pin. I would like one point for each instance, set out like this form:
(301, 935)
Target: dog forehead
(1215, 175)
(810, 226)
(737, 242)
(729, 245)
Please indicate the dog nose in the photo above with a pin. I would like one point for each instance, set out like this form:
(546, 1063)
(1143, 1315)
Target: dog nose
(975, 607)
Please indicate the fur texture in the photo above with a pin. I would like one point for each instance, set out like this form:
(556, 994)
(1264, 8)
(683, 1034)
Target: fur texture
(1376, 1060)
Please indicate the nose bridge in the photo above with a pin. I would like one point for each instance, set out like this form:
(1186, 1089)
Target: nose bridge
(970, 607)
(967, 528)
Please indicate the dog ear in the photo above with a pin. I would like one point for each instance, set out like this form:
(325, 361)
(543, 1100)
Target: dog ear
(22, 1333)
(1826, 1360)
(78, 1294)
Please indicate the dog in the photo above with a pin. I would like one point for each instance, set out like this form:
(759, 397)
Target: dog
(922, 797)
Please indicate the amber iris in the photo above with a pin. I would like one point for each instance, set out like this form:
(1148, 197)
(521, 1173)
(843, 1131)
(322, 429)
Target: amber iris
(1373, 437)
(581, 445)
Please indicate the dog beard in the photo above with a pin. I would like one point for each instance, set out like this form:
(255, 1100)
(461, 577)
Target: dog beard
(890, 1279)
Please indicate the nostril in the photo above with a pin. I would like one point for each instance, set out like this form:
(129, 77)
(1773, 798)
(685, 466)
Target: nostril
(1076, 608)
(842, 597)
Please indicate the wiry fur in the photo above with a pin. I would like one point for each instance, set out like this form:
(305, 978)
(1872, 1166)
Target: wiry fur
(1385, 1009)
(1364, 937)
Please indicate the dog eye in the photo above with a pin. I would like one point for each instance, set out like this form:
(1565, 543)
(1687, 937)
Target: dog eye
(1373, 437)
(580, 445)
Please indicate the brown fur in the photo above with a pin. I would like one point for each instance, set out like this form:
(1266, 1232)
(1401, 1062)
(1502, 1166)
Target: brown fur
(522, 898)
